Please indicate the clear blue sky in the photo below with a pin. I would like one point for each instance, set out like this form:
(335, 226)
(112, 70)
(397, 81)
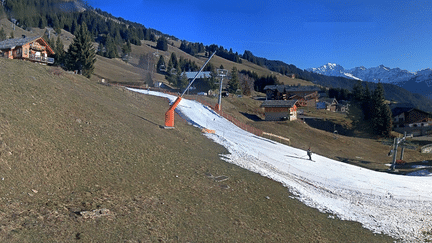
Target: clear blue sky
(306, 33)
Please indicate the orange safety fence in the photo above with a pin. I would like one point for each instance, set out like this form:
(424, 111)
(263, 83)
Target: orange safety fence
(230, 118)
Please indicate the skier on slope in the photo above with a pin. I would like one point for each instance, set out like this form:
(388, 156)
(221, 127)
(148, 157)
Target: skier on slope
(309, 153)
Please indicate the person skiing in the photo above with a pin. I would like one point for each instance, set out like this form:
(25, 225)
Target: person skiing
(309, 153)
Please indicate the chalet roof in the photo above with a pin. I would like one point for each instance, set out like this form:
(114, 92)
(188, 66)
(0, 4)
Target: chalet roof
(396, 111)
(399, 110)
(12, 43)
(191, 75)
(328, 100)
(279, 103)
(288, 88)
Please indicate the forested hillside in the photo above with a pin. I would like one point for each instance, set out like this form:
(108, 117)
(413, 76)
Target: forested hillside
(115, 36)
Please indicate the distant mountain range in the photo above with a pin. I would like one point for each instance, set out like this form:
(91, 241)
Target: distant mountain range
(419, 82)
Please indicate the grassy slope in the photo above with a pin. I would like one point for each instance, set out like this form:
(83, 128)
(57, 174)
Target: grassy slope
(104, 70)
(69, 145)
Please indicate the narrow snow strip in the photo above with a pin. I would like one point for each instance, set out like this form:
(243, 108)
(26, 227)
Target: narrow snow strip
(395, 205)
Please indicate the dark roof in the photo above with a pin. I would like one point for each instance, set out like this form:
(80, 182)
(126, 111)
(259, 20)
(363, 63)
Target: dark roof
(328, 100)
(399, 110)
(10, 43)
(279, 103)
(396, 111)
(287, 88)
(204, 74)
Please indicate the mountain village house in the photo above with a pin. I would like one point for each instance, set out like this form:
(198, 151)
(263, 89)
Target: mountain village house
(34, 49)
(202, 75)
(331, 104)
(411, 120)
(277, 110)
(305, 95)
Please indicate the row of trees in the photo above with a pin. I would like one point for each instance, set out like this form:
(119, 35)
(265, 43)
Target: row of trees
(368, 110)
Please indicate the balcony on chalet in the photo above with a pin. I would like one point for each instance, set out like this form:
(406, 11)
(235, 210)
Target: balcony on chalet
(37, 47)
(35, 58)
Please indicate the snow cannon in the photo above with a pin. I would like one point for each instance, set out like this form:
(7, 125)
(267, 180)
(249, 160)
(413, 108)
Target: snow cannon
(169, 115)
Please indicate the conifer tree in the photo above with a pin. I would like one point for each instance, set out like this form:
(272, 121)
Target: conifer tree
(355, 112)
(160, 63)
(182, 80)
(2, 34)
(162, 44)
(173, 60)
(110, 47)
(381, 117)
(60, 54)
(81, 54)
(233, 84)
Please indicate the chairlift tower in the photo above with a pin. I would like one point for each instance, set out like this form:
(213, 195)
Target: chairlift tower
(221, 73)
(396, 143)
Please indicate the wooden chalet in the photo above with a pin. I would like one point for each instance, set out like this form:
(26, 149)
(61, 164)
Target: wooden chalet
(34, 49)
(305, 95)
(329, 104)
(277, 110)
(411, 120)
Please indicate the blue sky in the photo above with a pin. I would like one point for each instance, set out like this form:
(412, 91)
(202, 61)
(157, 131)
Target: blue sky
(306, 33)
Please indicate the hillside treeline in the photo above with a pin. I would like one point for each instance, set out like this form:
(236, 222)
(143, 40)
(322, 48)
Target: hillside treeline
(115, 35)
(105, 29)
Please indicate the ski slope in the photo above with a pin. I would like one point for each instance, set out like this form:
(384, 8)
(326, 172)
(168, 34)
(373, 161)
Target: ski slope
(396, 205)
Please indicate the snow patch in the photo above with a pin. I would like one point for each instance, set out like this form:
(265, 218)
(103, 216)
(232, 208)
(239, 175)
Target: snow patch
(384, 203)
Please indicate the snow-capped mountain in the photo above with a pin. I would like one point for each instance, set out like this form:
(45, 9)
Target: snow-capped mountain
(419, 82)
(374, 74)
(332, 69)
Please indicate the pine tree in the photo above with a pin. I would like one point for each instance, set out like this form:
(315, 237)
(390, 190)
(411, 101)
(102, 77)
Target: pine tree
(367, 103)
(81, 54)
(173, 60)
(182, 80)
(233, 84)
(388, 121)
(110, 47)
(358, 92)
(355, 112)
(60, 54)
(162, 44)
(160, 63)
(2, 34)
(381, 117)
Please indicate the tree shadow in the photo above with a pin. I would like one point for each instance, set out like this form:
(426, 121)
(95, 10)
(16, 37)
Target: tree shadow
(252, 117)
(328, 126)
(352, 161)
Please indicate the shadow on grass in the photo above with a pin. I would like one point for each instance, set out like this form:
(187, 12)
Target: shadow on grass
(252, 117)
(147, 120)
(352, 161)
(328, 126)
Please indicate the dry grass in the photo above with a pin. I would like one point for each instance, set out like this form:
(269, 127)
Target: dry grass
(84, 162)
